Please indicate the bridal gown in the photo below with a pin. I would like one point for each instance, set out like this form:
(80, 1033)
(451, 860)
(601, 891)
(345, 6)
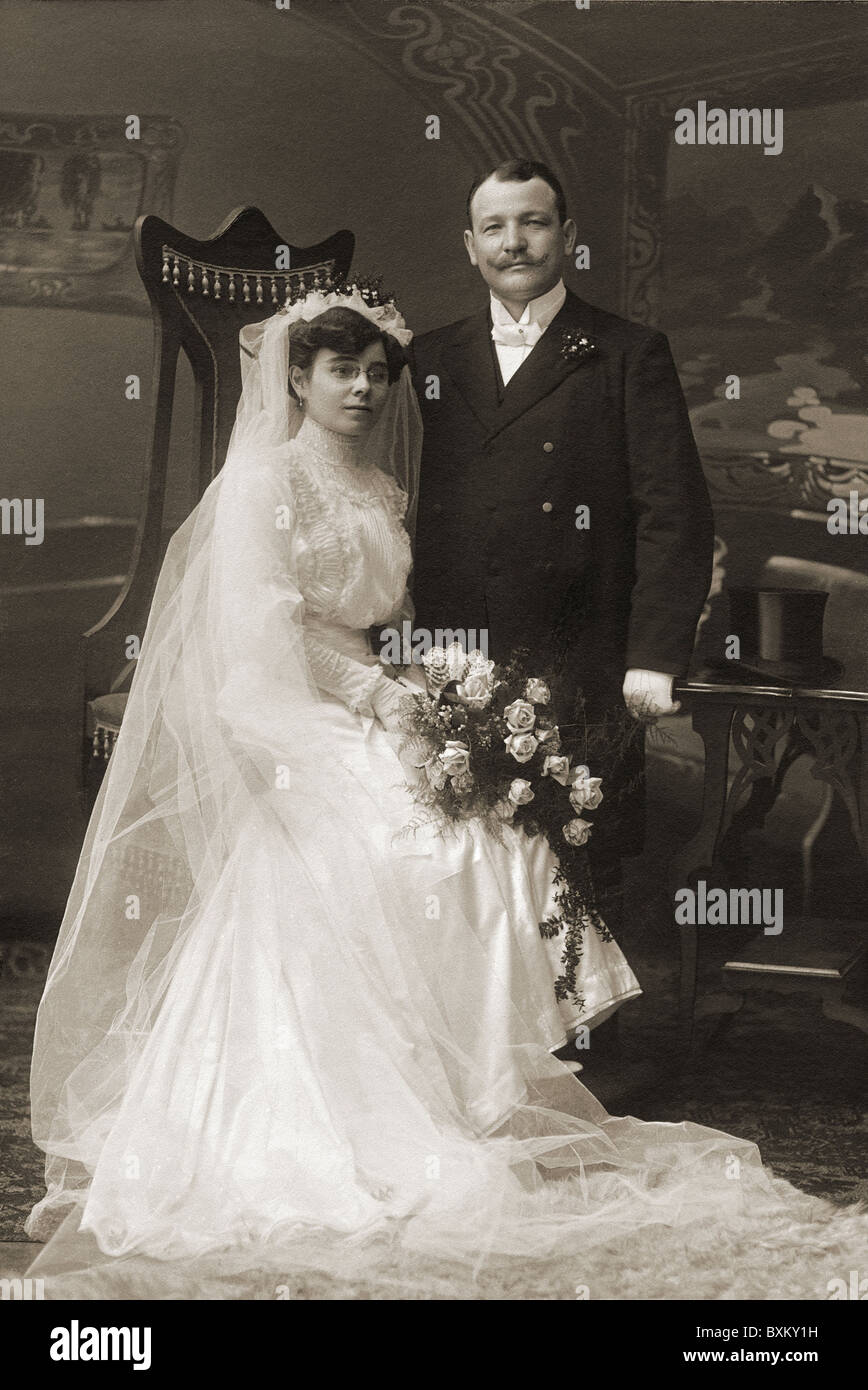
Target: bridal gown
(352, 1053)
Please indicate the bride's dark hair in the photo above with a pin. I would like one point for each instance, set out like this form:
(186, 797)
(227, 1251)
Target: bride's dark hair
(342, 330)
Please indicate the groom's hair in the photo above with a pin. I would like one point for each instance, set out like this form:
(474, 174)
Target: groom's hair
(521, 171)
(342, 330)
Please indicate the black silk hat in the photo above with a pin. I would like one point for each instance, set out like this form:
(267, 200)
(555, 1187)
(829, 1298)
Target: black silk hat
(781, 635)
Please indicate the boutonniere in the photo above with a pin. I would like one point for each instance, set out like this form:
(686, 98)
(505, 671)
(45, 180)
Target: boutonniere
(576, 345)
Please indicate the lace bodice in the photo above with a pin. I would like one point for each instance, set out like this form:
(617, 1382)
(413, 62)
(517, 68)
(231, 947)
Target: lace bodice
(352, 557)
(351, 549)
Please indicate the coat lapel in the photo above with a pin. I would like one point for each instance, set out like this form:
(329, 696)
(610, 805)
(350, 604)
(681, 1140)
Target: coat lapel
(545, 367)
(469, 362)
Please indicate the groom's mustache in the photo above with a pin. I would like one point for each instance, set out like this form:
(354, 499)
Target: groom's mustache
(506, 265)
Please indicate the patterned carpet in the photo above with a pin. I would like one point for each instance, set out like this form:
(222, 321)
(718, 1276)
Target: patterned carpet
(779, 1074)
(22, 970)
(791, 1081)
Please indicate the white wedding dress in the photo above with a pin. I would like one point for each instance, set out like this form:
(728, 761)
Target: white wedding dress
(287, 1032)
(297, 1072)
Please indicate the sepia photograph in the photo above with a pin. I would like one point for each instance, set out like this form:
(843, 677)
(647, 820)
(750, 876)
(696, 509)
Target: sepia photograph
(434, 664)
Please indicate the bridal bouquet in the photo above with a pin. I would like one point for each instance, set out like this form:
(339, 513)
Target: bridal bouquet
(491, 747)
(488, 744)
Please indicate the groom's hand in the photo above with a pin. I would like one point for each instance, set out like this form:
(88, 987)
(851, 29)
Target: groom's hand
(648, 695)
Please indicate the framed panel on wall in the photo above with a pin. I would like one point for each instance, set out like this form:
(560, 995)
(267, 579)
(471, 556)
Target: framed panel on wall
(71, 188)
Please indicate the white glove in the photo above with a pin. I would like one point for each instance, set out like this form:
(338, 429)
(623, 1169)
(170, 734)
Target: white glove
(648, 695)
(412, 677)
(388, 702)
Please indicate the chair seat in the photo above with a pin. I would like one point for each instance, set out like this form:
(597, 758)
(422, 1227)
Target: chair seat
(105, 714)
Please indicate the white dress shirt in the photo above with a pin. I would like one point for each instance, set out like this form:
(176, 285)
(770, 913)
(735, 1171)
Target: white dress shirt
(519, 336)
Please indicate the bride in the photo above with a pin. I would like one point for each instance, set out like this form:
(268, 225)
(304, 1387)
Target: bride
(287, 1033)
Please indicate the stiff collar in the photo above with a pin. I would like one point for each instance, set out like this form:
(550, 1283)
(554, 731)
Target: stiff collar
(540, 311)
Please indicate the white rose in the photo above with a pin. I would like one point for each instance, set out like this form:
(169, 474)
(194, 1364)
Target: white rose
(557, 765)
(537, 691)
(577, 832)
(586, 794)
(455, 758)
(521, 746)
(519, 716)
(520, 791)
(475, 690)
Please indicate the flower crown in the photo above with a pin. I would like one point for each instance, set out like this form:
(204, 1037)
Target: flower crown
(362, 294)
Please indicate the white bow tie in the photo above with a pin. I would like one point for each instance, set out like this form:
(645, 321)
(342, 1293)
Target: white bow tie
(516, 334)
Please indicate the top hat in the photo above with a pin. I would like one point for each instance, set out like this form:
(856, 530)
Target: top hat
(781, 635)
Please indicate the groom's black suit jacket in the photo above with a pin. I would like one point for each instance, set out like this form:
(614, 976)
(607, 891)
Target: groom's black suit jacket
(503, 472)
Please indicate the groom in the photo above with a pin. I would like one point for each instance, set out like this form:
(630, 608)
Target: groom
(562, 504)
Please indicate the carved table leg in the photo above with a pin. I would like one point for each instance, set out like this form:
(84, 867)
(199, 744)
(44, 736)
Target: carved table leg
(712, 723)
(762, 772)
(836, 742)
(862, 784)
(689, 947)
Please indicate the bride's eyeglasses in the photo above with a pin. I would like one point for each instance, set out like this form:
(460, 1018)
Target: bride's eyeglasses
(348, 370)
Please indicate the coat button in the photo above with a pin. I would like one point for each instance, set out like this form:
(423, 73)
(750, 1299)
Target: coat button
(492, 506)
(548, 447)
(437, 507)
(547, 506)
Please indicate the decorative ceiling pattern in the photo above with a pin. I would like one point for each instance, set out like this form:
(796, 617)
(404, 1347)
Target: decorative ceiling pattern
(519, 76)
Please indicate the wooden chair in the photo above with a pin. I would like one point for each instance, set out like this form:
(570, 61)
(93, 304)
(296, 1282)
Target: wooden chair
(201, 294)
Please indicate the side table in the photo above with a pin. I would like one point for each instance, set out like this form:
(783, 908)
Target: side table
(752, 734)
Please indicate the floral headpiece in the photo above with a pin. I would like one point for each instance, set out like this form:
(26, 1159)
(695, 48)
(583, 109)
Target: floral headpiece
(363, 295)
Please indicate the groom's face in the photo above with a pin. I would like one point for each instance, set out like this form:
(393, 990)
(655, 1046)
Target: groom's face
(517, 240)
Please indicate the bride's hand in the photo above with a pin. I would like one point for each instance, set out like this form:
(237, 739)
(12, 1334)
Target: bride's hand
(402, 746)
(412, 677)
(389, 702)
